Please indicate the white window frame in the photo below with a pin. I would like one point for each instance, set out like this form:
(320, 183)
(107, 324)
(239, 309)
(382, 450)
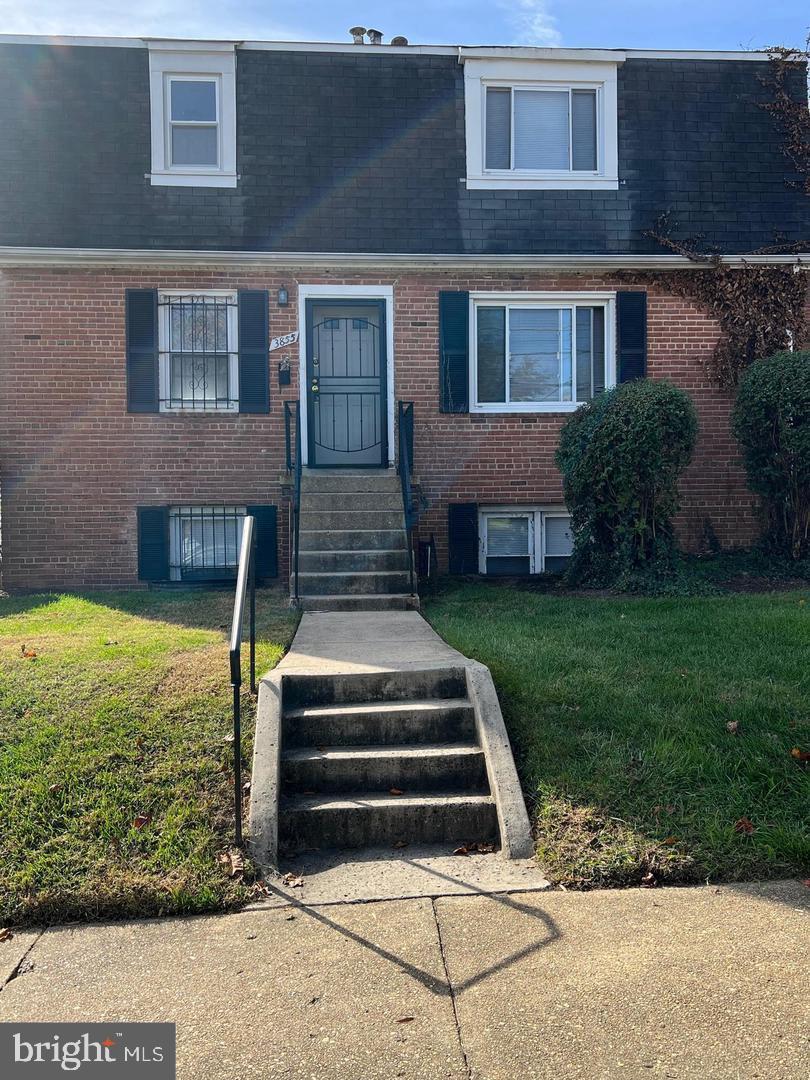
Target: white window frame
(537, 516)
(176, 517)
(539, 300)
(190, 61)
(541, 75)
(164, 351)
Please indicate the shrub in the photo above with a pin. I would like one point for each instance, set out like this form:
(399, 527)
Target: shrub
(771, 419)
(621, 456)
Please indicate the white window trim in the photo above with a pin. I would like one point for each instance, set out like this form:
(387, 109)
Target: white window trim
(164, 350)
(546, 75)
(537, 531)
(533, 300)
(218, 62)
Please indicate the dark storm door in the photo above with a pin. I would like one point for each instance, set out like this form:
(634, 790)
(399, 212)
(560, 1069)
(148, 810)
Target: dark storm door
(346, 391)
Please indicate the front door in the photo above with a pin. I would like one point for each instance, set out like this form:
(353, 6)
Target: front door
(346, 391)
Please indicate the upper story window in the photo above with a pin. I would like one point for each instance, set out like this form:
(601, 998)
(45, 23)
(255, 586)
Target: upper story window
(540, 352)
(193, 109)
(199, 363)
(540, 124)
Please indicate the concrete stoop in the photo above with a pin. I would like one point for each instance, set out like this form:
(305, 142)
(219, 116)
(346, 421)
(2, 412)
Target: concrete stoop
(353, 548)
(357, 760)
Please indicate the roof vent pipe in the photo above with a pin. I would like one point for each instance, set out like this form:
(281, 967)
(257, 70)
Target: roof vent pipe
(374, 37)
(358, 34)
(398, 40)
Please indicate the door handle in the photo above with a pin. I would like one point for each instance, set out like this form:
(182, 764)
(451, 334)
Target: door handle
(315, 387)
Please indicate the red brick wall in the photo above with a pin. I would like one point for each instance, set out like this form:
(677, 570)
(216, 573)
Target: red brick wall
(75, 464)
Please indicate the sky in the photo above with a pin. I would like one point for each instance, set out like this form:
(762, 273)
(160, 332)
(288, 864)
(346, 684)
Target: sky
(655, 24)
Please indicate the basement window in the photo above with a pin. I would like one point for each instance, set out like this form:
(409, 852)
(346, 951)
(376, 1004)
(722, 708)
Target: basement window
(517, 542)
(193, 110)
(204, 542)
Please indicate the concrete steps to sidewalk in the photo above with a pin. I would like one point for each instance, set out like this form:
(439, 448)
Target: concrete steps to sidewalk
(353, 547)
(379, 758)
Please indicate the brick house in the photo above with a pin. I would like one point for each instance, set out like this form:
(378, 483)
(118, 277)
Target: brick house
(194, 234)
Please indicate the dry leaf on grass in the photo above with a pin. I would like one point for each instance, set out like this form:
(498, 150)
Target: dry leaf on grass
(29, 654)
(396, 791)
(141, 820)
(744, 825)
(802, 756)
(232, 862)
(648, 881)
(733, 726)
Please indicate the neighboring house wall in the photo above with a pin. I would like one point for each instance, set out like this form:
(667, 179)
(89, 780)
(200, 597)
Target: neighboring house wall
(365, 152)
(75, 465)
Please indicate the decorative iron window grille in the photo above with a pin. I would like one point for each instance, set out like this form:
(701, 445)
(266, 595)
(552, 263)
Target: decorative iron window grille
(198, 351)
(204, 542)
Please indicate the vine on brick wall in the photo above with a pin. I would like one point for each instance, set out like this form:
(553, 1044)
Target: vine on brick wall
(761, 309)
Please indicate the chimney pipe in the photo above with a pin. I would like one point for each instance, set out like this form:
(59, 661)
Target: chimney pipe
(374, 37)
(358, 34)
(398, 40)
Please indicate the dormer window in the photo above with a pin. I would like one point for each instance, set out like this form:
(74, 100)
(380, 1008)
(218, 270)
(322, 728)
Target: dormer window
(193, 109)
(540, 124)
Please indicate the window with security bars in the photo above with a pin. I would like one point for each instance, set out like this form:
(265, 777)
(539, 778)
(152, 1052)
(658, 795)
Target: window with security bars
(199, 367)
(519, 542)
(204, 542)
(541, 129)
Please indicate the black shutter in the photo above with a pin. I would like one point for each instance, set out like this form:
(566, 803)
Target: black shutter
(631, 335)
(454, 343)
(266, 535)
(142, 350)
(153, 543)
(462, 537)
(254, 362)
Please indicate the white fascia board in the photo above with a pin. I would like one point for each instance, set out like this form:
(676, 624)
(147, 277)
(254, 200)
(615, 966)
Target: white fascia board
(89, 257)
(173, 46)
(520, 52)
(66, 39)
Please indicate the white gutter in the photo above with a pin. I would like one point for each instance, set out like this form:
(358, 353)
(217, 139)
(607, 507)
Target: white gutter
(89, 257)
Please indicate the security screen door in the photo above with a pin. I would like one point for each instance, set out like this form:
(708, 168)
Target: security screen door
(346, 391)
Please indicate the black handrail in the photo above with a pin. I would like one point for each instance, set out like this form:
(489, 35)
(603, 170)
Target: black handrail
(405, 465)
(245, 585)
(293, 410)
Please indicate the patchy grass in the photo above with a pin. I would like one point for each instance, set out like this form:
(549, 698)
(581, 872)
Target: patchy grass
(115, 708)
(618, 712)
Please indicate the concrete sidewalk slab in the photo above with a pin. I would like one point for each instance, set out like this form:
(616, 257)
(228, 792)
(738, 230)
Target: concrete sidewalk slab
(357, 992)
(365, 641)
(687, 983)
(13, 952)
(385, 874)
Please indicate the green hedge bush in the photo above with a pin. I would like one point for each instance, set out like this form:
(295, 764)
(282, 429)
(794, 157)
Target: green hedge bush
(621, 456)
(771, 419)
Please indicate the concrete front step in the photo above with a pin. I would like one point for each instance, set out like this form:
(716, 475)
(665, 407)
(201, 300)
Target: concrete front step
(349, 539)
(449, 767)
(352, 519)
(376, 500)
(357, 819)
(338, 583)
(367, 690)
(349, 481)
(343, 561)
(385, 723)
(359, 602)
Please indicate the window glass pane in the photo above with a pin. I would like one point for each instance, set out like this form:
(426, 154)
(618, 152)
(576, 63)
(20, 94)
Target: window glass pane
(205, 541)
(583, 129)
(559, 541)
(598, 350)
(194, 145)
(584, 354)
(199, 325)
(194, 100)
(541, 129)
(507, 536)
(491, 354)
(498, 128)
(537, 339)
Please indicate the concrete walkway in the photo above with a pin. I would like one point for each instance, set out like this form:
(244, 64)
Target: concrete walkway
(363, 641)
(687, 983)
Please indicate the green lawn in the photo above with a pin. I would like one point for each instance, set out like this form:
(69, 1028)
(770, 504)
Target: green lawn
(115, 759)
(618, 712)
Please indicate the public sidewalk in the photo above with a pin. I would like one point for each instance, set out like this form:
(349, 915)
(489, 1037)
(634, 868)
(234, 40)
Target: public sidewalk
(699, 983)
